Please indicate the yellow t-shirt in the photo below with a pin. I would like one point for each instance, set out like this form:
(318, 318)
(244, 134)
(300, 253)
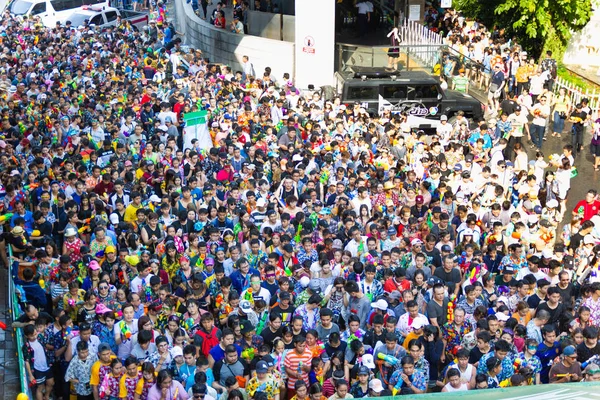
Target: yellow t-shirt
(95, 372)
(131, 213)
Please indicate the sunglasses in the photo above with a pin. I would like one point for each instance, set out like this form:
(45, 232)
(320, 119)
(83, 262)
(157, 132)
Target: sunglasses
(103, 287)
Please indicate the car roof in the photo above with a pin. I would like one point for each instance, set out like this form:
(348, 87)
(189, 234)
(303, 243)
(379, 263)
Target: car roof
(368, 76)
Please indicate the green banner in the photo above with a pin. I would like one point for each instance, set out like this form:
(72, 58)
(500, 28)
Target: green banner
(560, 391)
(195, 118)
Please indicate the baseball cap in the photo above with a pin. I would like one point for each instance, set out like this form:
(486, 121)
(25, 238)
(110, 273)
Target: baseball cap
(262, 367)
(569, 350)
(314, 286)
(380, 304)
(588, 239)
(394, 295)
(508, 270)
(361, 371)
(444, 118)
(246, 306)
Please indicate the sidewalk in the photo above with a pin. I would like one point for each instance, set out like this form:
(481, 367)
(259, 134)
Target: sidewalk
(9, 363)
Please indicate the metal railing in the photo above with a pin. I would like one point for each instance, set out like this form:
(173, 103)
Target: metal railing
(16, 312)
(411, 57)
(577, 93)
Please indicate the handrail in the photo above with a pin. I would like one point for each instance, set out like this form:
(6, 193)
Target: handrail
(15, 310)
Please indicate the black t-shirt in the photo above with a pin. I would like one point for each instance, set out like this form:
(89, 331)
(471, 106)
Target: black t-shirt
(508, 106)
(286, 315)
(450, 278)
(584, 353)
(578, 126)
(567, 294)
(575, 241)
(475, 355)
(269, 336)
(534, 300)
(555, 314)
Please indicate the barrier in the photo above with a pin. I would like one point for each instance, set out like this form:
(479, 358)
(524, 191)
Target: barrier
(222, 46)
(577, 93)
(15, 310)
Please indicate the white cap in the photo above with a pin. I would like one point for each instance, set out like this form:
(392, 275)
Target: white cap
(588, 239)
(444, 118)
(552, 203)
(547, 253)
(367, 361)
(380, 304)
(261, 202)
(502, 317)
(176, 352)
(376, 386)
(304, 281)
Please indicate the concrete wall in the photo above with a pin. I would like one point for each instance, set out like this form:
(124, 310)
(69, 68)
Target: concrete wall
(224, 47)
(268, 25)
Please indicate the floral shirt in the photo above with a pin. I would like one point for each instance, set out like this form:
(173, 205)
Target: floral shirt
(453, 335)
(372, 290)
(110, 386)
(127, 386)
(270, 386)
(469, 309)
(534, 363)
(517, 265)
(507, 366)
(594, 310)
(357, 391)
(308, 321)
(105, 335)
(81, 370)
(348, 337)
(143, 387)
(417, 379)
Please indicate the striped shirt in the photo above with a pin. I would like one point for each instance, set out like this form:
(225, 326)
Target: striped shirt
(292, 361)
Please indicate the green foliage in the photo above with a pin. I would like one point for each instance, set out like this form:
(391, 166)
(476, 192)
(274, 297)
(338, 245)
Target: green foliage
(538, 18)
(538, 24)
(575, 79)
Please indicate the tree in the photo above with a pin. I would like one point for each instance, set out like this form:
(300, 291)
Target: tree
(547, 20)
(534, 22)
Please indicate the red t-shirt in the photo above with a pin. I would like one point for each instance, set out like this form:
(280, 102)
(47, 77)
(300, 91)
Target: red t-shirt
(589, 209)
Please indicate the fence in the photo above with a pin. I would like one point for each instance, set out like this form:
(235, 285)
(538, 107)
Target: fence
(577, 93)
(15, 309)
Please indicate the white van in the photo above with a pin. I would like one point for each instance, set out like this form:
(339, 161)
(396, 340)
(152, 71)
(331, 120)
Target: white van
(51, 11)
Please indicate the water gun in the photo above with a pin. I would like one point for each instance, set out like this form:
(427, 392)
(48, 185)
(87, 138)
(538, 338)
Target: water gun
(298, 236)
(324, 176)
(451, 307)
(354, 336)
(592, 360)
(219, 300)
(31, 186)
(300, 368)
(318, 350)
(249, 353)
(42, 283)
(5, 217)
(71, 303)
(288, 271)
(70, 331)
(83, 229)
(517, 364)
(125, 331)
(189, 324)
(388, 359)
(148, 293)
(248, 296)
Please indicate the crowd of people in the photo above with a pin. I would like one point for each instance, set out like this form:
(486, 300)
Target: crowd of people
(313, 251)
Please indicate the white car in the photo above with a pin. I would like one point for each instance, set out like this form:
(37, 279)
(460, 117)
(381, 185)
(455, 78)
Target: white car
(50, 11)
(103, 17)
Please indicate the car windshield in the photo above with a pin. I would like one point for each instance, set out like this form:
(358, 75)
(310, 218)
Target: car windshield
(20, 7)
(78, 19)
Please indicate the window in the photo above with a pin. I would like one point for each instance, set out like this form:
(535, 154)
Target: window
(362, 92)
(39, 8)
(59, 5)
(97, 20)
(423, 92)
(393, 92)
(111, 16)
